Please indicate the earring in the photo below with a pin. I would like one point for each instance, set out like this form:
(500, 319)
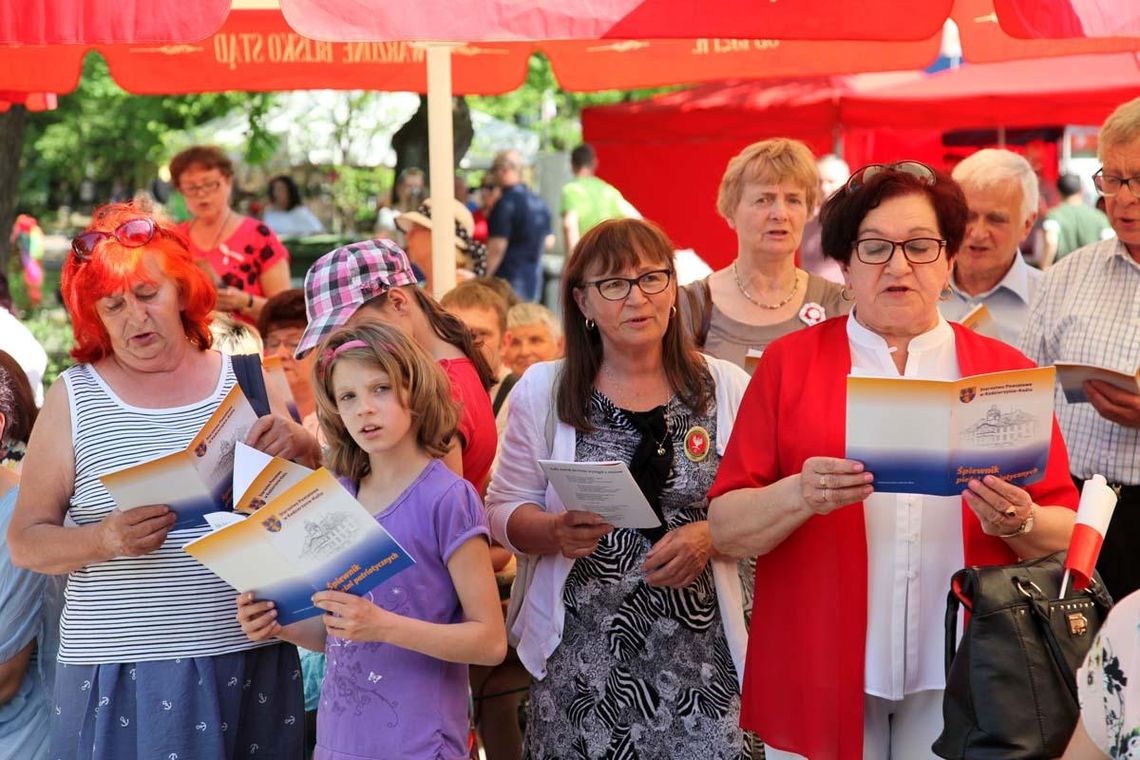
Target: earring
(590, 324)
(672, 311)
(945, 294)
(847, 294)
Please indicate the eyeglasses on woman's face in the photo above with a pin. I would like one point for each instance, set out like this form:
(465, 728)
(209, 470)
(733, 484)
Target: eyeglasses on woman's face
(878, 251)
(618, 288)
(199, 190)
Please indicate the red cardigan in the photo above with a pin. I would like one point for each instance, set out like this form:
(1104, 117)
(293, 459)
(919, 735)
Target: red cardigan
(803, 677)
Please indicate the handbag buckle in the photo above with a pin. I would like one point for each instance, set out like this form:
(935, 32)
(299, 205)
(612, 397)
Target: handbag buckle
(1024, 587)
(1078, 624)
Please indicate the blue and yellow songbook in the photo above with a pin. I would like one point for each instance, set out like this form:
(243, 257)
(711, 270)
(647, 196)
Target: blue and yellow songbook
(196, 480)
(311, 537)
(932, 436)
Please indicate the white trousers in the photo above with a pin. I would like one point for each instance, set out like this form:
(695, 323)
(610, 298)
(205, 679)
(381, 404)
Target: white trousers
(902, 730)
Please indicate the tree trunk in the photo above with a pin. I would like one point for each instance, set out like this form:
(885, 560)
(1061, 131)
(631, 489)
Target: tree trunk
(11, 143)
(411, 140)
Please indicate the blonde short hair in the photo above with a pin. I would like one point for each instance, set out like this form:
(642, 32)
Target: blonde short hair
(526, 313)
(233, 337)
(423, 388)
(769, 161)
(1122, 127)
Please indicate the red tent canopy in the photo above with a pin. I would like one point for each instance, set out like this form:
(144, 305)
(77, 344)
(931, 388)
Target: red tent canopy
(689, 136)
(1069, 18)
(1074, 90)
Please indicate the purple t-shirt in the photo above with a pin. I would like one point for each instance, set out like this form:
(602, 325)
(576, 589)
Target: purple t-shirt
(380, 701)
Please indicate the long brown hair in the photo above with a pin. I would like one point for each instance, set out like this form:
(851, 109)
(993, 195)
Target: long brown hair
(447, 326)
(609, 247)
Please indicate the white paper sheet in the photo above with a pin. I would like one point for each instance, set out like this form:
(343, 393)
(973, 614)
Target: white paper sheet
(605, 488)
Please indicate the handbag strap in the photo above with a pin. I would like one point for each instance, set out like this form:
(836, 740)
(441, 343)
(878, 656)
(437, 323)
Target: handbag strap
(1039, 607)
(955, 599)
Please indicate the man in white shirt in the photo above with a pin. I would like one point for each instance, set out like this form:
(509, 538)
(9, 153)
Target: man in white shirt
(1088, 310)
(1001, 193)
(19, 343)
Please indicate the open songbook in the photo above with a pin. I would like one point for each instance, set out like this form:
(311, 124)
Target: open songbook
(310, 536)
(934, 436)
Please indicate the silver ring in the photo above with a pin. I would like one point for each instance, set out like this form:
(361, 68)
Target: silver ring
(824, 493)
(1011, 512)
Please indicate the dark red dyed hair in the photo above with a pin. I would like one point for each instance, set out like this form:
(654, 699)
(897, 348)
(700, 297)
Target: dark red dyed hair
(114, 268)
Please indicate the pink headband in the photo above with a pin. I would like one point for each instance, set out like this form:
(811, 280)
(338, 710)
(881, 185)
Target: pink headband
(332, 353)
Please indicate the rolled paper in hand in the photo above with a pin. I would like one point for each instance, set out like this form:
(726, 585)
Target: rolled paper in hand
(1093, 516)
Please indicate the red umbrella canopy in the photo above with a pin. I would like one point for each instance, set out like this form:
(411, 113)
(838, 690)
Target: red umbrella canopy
(27, 22)
(1069, 18)
(499, 20)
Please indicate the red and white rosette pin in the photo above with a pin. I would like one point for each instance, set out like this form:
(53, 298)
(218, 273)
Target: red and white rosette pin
(812, 313)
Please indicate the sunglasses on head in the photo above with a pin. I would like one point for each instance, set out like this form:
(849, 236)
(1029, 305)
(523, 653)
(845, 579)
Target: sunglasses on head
(913, 168)
(133, 233)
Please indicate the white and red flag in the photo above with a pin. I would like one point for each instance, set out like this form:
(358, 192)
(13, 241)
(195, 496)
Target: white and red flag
(1093, 516)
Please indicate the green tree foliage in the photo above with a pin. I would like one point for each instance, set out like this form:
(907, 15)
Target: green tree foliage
(102, 134)
(542, 106)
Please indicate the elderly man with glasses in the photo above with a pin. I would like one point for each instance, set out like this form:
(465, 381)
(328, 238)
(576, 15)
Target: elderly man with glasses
(1088, 311)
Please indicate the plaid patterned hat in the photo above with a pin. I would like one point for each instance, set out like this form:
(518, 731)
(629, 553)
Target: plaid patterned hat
(339, 282)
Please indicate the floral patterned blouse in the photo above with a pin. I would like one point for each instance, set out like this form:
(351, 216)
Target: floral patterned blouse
(1109, 683)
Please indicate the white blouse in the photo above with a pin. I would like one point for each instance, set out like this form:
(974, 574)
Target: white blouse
(914, 542)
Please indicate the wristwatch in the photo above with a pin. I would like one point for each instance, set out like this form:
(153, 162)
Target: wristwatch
(1025, 527)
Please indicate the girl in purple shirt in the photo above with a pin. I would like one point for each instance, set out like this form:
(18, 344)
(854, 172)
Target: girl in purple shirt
(396, 684)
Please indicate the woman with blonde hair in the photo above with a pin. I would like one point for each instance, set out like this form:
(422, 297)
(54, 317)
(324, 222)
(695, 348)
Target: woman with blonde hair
(766, 196)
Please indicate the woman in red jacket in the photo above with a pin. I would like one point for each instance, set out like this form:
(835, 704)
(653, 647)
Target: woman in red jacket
(863, 575)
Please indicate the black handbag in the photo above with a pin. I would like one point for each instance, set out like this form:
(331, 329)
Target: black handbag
(1011, 688)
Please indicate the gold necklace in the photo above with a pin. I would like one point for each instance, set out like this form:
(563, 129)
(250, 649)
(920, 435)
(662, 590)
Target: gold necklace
(769, 307)
(221, 230)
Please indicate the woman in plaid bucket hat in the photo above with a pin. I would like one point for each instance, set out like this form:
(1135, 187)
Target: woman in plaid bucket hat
(373, 281)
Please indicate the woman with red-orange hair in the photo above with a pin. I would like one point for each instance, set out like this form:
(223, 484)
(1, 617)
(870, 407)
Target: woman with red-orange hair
(152, 662)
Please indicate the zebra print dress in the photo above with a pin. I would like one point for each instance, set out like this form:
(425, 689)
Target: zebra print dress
(641, 671)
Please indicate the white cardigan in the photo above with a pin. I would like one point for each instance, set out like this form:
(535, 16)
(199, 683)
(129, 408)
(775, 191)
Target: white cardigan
(519, 480)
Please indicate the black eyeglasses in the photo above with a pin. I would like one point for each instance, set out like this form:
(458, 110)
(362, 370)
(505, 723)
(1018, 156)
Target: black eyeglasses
(1107, 184)
(617, 288)
(205, 188)
(913, 168)
(133, 233)
(916, 250)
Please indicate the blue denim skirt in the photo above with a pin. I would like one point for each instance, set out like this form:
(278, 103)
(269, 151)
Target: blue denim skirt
(244, 705)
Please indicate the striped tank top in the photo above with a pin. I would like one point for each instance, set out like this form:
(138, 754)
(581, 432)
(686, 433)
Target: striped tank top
(160, 606)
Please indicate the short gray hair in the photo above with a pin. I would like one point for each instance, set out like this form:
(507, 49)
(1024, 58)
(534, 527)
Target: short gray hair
(996, 166)
(1122, 127)
(526, 313)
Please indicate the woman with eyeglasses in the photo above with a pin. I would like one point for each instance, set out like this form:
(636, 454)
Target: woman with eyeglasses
(249, 263)
(766, 196)
(152, 662)
(851, 584)
(635, 637)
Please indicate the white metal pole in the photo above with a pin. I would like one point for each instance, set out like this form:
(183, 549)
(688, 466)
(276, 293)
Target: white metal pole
(441, 152)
